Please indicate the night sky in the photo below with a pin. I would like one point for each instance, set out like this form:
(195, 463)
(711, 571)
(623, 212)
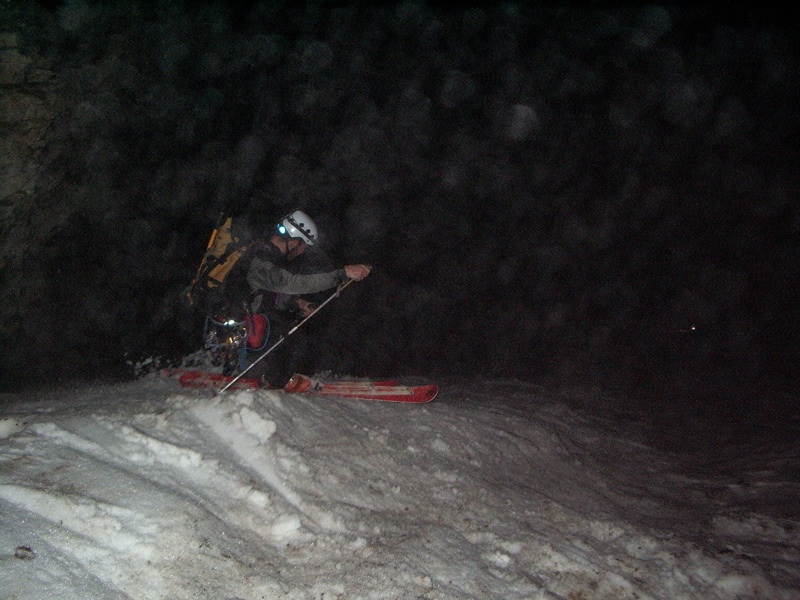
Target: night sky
(596, 191)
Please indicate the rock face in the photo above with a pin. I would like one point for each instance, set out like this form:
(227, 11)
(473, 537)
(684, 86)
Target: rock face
(28, 107)
(637, 163)
(26, 113)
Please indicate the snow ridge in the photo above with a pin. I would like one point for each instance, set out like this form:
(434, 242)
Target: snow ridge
(488, 492)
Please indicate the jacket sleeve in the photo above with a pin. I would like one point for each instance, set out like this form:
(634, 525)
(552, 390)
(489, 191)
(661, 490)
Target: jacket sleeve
(265, 275)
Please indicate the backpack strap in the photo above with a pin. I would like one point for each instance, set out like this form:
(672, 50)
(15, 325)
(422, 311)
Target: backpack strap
(218, 270)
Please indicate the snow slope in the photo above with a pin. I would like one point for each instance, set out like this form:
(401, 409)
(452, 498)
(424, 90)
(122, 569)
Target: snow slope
(494, 490)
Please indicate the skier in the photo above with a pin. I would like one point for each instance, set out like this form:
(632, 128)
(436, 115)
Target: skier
(265, 290)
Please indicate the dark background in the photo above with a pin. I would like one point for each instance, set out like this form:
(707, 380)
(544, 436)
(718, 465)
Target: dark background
(599, 192)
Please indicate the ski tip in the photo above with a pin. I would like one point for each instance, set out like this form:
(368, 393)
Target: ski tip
(428, 392)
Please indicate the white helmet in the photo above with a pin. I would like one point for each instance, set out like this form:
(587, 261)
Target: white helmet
(298, 224)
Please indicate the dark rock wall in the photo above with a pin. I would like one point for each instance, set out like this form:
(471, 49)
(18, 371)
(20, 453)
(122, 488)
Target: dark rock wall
(543, 190)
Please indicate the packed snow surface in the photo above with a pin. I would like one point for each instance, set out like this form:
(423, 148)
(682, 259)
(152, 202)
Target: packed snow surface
(494, 490)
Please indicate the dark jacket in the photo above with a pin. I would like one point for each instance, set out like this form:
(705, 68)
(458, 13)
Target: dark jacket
(265, 280)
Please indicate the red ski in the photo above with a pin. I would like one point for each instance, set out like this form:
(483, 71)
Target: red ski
(386, 391)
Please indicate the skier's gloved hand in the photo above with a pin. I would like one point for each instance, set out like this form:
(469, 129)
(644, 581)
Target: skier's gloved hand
(357, 272)
(305, 308)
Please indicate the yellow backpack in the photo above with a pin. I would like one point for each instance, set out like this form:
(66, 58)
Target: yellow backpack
(225, 247)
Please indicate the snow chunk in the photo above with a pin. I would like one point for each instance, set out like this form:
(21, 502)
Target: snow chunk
(498, 559)
(440, 445)
(286, 528)
(163, 451)
(10, 426)
(254, 424)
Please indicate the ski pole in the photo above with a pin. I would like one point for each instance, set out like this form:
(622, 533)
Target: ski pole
(283, 337)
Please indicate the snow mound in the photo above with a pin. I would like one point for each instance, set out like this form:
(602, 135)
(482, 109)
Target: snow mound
(147, 491)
